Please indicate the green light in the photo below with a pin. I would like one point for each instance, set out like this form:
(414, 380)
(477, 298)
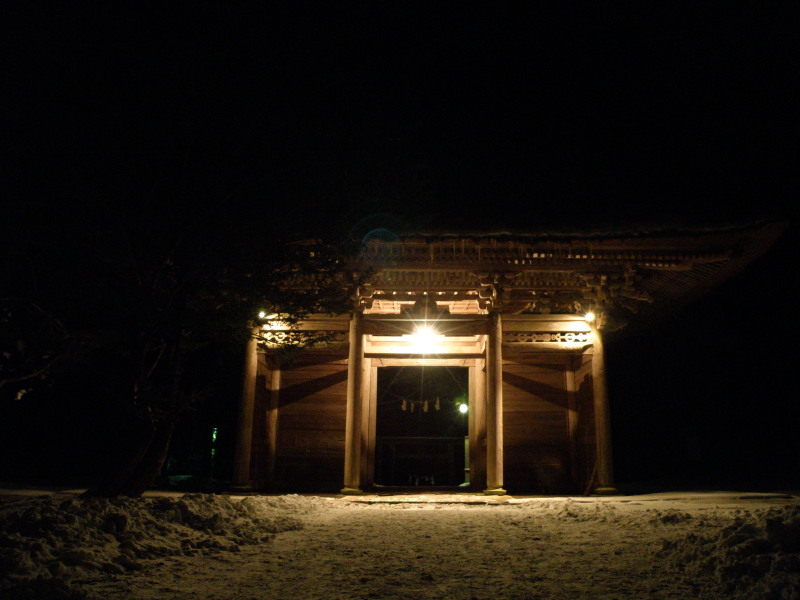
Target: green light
(213, 435)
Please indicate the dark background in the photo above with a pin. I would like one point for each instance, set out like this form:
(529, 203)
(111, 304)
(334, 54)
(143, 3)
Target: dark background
(346, 117)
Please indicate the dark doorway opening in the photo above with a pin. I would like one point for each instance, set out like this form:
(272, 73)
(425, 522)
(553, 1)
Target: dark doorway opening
(422, 426)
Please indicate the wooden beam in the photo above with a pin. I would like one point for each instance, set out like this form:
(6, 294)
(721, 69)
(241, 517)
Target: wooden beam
(423, 360)
(444, 347)
(410, 361)
(565, 323)
(395, 325)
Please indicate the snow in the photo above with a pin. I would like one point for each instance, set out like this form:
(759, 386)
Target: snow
(690, 545)
(756, 556)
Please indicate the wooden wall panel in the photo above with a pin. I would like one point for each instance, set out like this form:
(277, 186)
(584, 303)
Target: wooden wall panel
(311, 425)
(535, 426)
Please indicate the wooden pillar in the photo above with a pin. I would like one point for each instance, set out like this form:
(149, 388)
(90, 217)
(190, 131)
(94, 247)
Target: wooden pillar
(477, 425)
(353, 424)
(366, 464)
(494, 406)
(472, 447)
(602, 417)
(244, 429)
(572, 420)
(272, 424)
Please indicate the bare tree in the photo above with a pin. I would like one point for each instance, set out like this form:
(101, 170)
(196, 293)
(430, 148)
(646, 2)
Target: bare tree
(146, 293)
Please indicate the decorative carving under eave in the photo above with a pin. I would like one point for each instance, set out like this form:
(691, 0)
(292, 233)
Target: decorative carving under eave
(495, 292)
(608, 292)
(270, 340)
(530, 337)
(557, 303)
(426, 309)
(364, 297)
(617, 289)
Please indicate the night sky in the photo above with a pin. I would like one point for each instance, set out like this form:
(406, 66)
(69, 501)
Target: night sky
(346, 117)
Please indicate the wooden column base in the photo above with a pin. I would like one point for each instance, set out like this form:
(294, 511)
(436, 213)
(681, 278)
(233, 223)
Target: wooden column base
(605, 491)
(494, 491)
(348, 491)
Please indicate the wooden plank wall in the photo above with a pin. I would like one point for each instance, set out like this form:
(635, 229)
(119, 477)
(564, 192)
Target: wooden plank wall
(311, 424)
(535, 424)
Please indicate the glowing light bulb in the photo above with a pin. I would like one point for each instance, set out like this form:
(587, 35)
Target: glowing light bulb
(463, 408)
(425, 340)
(589, 316)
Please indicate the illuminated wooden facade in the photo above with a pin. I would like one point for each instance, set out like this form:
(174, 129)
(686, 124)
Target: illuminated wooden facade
(512, 311)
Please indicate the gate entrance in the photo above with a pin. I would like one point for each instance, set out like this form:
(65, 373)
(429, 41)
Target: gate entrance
(422, 424)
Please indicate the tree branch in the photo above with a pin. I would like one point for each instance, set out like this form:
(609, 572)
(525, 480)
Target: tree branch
(32, 375)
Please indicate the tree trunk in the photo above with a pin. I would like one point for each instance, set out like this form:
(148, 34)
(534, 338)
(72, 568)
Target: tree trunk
(147, 459)
(141, 470)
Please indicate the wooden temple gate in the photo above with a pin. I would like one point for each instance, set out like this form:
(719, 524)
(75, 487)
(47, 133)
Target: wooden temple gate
(524, 316)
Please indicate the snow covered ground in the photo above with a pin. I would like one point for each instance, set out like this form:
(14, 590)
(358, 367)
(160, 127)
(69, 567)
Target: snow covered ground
(692, 545)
